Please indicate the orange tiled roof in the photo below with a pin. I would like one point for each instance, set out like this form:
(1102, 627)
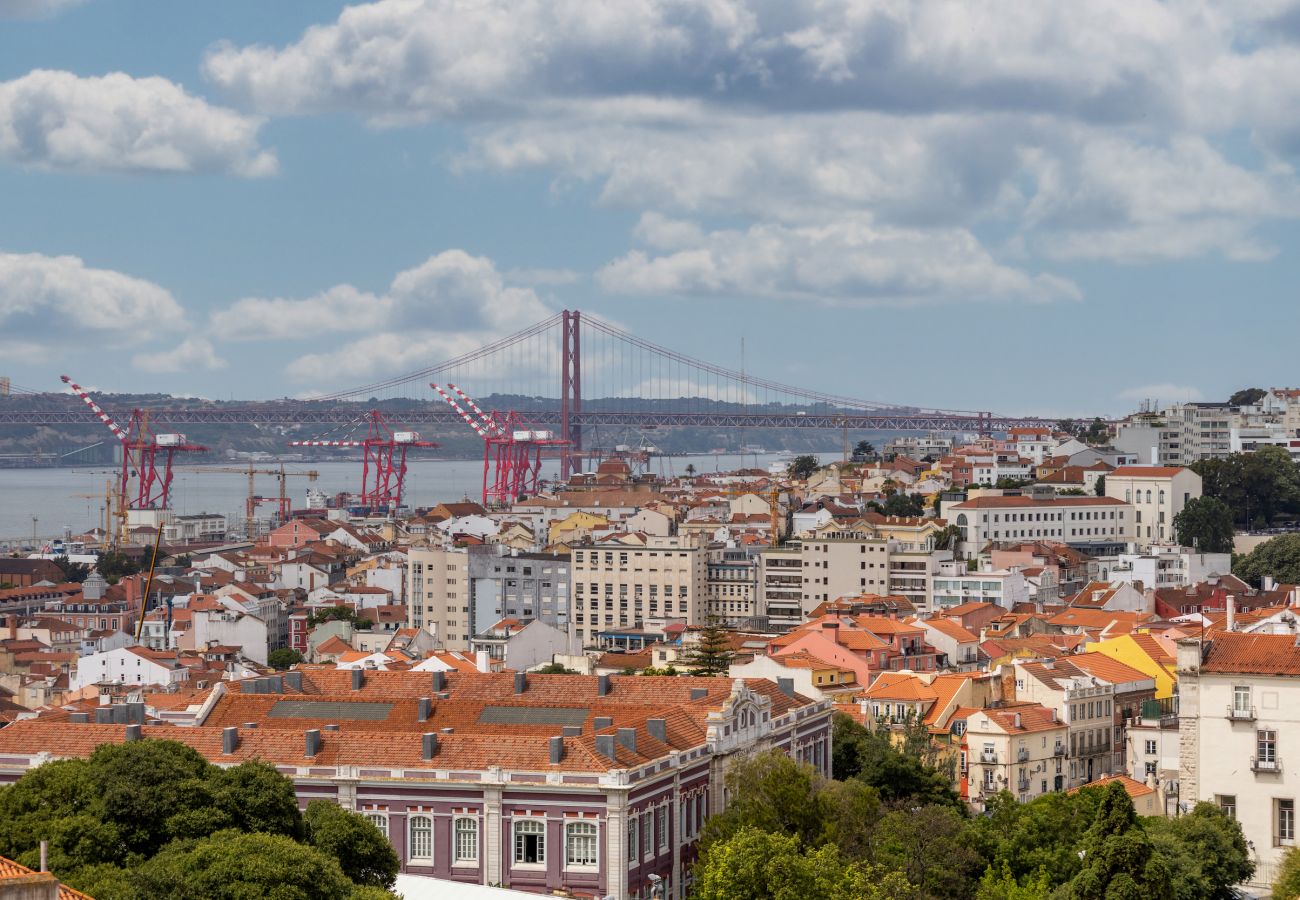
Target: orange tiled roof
(1252, 654)
(1133, 788)
(1146, 472)
(1107, 668)
(1033, 717)
(899, 686)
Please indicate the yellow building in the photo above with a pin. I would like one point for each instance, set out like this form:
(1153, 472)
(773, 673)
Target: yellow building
(1146, 653)
(576, 526)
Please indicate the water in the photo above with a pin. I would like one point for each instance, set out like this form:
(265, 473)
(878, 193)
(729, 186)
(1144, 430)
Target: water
(53, 496)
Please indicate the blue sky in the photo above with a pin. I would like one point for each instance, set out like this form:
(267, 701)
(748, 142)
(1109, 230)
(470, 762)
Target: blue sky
(1050, 209)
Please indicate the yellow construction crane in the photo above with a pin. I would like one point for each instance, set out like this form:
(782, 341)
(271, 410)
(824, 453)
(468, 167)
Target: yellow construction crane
(774, 507)
(250, 505)
(110, 534)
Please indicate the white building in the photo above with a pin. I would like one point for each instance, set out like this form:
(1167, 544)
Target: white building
(128, 665)
(1239, 721)
(1019, 747)
(953, 585)
(1157, 494)
(1076, 521)
(621, 585)
(1163, 566)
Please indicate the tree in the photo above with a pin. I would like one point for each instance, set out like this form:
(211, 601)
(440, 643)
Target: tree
(339, 613)
(1002, 885)
(757, 865)
(1097, 432)
(363, 852)
(1278, 557)
(803, 467)
(283, 658)
(77, 572)
(1100, 488)
(1205, 523)
(949, 538)
(690, 469)
(773, 793)
(555, 668)
(863, 452)
(1119, 859)
(1205, 850)
(1247, 397)
(900, 504)
(1287, 886)
(712, 653)
(1256, 486)
(928, 846)
(905, 774)
(115, 566)
(234, 866)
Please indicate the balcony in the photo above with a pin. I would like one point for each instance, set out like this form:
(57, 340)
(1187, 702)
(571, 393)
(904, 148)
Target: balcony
(989, 756)
(1266, 766)
(1058, 750)
(1022, 755)
(1241, 713)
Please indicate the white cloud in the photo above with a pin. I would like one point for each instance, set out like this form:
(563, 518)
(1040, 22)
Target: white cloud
(449, 304)
(1164, 393)
(190, 355)
(844, 262)
(44, 295)
(117, 123)
(34, 9)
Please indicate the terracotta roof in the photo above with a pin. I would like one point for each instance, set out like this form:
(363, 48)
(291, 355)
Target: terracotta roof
(1107, 668)
(899, 686)
(951, 629)
(1033, 717)
(1133, 788)
(1146, 472)
(1001, 502)
(1252, 654)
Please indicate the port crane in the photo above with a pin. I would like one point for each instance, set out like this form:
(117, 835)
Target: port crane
(145, 479)
(283, 502)
(383, 460)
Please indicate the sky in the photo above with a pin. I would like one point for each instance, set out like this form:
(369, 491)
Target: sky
(1032, 208)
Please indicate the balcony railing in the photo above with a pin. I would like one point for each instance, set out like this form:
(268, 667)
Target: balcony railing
(989, 756)
(1058, 750)
(1241, 713)
(1267, 766)
(1022, 755)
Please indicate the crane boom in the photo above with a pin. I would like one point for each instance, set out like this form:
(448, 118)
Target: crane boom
(469, 420)
(487, 418)
(96, 408)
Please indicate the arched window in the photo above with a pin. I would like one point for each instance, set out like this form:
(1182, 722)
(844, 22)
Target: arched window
(580, 844)
(421, 828)
(530, 842)
(380, 821)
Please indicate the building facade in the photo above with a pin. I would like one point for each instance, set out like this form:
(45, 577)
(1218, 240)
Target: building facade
(621, 585)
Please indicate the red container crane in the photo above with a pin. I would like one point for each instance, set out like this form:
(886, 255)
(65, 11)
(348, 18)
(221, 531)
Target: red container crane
(383, 460)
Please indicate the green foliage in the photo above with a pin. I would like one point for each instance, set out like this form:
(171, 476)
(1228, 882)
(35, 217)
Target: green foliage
(109, 817)
(555, 668)
(283, 658)
(362, 851)
(1206, 852)
(1247, 397)
(234, 866)
(1042, 835)
(756, 865)
(1002, 885)
(1279, 557)
(77, 572)
(948, 538)
(339, 613)
(668, 670)
(116, 565)
(928, 845)
(803, 467)
(773, 793)
(1205, 523)
(1100, 488)
(712, 653)
(863, 451)
(906, 772)
(1119, 859)
(1287, 886)
(899, 504)
(1257, 487)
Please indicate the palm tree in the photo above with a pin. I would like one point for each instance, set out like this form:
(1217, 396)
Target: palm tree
(690, 470)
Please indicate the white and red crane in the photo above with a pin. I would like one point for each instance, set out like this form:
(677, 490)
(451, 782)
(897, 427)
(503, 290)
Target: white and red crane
(512, 448)
(383, 460)
(145, 480)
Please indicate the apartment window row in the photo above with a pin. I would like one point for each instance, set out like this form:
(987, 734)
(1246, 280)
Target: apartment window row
(581, 847)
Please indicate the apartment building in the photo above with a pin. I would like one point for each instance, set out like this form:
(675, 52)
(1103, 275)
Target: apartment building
(1157, 494)
(1239, 716)
(1095, 524)
(1179, 434)
(1164, 566)
(1018, 747)
(732, 592)
(508, 583)
(622, 585)
(440, 596)
(953, 585)
(1084, 703)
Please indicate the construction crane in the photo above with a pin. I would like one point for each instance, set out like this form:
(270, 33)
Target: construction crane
(283, 501)
(106, 510)
(773, 491)
(145, 481)
(383, 461)
(512, 448)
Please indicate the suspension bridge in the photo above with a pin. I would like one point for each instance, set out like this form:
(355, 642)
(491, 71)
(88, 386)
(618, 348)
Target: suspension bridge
(576, 371)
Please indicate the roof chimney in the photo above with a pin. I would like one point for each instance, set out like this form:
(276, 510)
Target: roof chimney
(426, 707)
(699, 693)
(571, 730)
(358, 679)
(1017, 720)
(627, 737)
(229, 740)
(133, 732)
(311, 746)
(79, 718)
(831, 630)
(787, 686)
(602, 685)
(557, 749)
(294, 680)
(599, 723)
(1232, 612)
(119, 713)
(439, 681)
(103, 715)
(657, 729)
(605, 746)
(521, 682)
(428, 745)
(135, 713)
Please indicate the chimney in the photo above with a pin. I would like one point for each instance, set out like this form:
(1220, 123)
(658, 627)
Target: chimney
(311, 745)
(1053, 715)
(358, 679)
(103, 715)
(602, 685)
(521, 682)
(294, 680)
(119, 713)
(699, 693)
(79, 718)
(428, 745)
(605, 746)
(1232, 612)
(657, 729)
(602, 722)
(831, 630)
(426, 708)
(135, 713)
(627, 737)
(571, 730)
(482, 661)
(557, 749)
(249, 725)
(1017, 720)
(229, 740)
(133, 733)
(439, 681)
(786, 685)
(45, 857)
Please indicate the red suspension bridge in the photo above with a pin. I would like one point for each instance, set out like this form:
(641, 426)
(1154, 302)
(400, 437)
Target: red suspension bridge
(603, 376)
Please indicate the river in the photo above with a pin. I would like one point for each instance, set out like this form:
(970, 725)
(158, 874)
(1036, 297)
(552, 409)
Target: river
(60, 500)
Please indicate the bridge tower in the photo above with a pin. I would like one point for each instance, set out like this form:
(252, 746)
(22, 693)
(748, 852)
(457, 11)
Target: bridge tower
(570, 393)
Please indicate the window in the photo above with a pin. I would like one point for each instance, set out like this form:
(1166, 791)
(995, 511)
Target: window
(1284, 813)
(1266, 745)
(633, 832)
(580, 844)
(1151, 748)
(530, 842)
(421, 837)
(663, 828)
(1241, 698)
(466, 840)
(380, 821)
(648, 832)
(1150, 768)
(1227, 803)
